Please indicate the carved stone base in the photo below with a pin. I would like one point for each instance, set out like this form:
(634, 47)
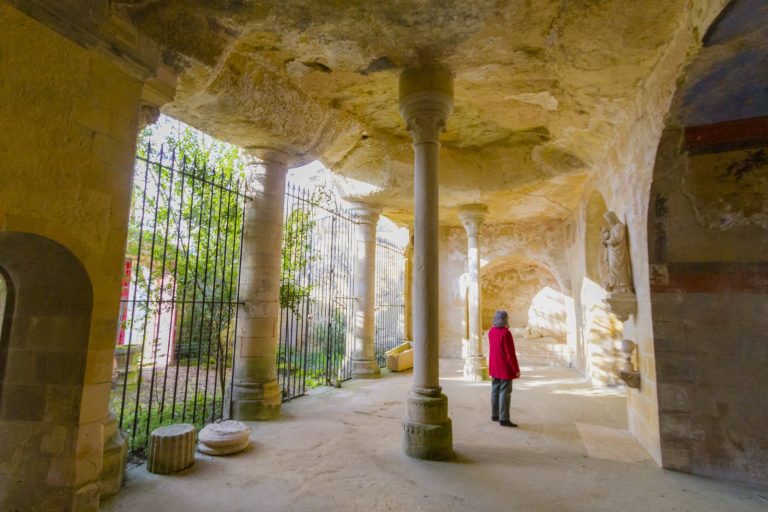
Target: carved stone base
(427, 429)
(224, 438)
(254, 402)
(476, 368)
(115, 455)
(622, 304)
(365, 369)
(632, 379)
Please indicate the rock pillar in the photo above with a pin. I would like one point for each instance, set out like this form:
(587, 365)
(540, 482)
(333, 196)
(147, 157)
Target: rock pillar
(364, 364)
(256, 394)
(426, 102)
(475, 364)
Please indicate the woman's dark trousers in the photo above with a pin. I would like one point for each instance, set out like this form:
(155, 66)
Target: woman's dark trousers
(501, 390)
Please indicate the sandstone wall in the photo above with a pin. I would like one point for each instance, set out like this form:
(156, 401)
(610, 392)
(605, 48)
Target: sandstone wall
(502, 247)
(623, 177)
(69, 123)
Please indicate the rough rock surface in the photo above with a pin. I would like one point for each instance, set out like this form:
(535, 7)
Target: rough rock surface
(542, 86)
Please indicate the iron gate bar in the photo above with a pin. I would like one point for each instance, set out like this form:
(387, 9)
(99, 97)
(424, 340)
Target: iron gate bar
(183, 326)
(162, 277)
(173, 225)
(390, 313)
(316, 290)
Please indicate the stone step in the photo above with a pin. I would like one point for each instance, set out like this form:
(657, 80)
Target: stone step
(542, 352)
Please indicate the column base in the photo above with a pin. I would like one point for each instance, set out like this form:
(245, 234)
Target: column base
(114, 458)
(476, 368)
(256, 401)
(427, 429)
(365, 369)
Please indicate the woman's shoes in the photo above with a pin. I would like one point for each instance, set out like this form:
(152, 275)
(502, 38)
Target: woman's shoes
(494, 418)
(507, 423)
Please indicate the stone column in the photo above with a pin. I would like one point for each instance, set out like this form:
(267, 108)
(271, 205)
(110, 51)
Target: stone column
(426, 102)
(408, 290)
(475, 364)
(256, 394)
(364, 364)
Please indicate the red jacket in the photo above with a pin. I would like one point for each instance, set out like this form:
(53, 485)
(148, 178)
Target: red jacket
(502, 360)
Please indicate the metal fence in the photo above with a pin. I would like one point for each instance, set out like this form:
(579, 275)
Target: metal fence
(176, 343)
(316, 292)
(175, 346)
(390, 306)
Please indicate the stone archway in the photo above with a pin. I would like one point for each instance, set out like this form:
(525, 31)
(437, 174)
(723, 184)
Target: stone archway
(538, 310)
(47, 328)
(598, 329)
(512, 284)
(708, 255)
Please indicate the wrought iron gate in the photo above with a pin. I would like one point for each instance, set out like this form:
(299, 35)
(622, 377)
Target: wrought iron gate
(176, 340)
(390, 306)
(316, 292)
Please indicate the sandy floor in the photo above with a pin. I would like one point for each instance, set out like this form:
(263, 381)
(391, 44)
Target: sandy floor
(339, 450)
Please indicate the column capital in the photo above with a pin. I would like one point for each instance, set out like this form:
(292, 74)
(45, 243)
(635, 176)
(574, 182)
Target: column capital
(364, 212)
(264, 156)
(426, 101)
(471, 216)
(148, 114)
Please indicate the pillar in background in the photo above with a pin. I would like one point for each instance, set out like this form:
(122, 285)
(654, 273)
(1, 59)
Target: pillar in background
(364, 364)
(475, 363)
(256, 394)
(408, 290)
(426, 102)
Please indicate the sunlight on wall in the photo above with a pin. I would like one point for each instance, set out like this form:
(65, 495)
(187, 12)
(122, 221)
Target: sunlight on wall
(601, 330)
(549, 312)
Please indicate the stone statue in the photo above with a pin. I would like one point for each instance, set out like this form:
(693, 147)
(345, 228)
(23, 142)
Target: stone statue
(616, 256)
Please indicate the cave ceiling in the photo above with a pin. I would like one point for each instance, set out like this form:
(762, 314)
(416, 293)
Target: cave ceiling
(539, 86)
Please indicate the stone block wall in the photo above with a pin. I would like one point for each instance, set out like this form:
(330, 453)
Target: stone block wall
(709, 293)
(69, 124)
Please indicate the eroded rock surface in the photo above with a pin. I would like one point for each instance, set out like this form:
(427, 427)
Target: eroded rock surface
(541, 87)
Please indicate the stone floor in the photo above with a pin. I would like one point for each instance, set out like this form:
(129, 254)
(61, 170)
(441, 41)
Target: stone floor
(339, 450)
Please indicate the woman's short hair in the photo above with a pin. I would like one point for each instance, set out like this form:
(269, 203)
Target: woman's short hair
(501, 319)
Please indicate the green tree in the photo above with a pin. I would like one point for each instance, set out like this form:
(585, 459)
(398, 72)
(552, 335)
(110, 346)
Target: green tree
(184, 238)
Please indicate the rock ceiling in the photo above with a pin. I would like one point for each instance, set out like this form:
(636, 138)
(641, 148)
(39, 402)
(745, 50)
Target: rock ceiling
(539, 86)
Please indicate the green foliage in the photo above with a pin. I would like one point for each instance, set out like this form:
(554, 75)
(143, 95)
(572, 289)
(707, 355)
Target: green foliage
(184, 233)
(200, 405)
(334, 333)
(327, 352)
(297, 256)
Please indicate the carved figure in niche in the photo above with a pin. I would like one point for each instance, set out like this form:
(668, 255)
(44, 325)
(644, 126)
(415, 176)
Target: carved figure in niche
(616, 255)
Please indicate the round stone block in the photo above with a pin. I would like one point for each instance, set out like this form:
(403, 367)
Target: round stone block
(224, 438)
(171, 449)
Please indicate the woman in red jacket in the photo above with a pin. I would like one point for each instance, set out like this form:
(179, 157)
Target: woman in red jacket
(503, 367)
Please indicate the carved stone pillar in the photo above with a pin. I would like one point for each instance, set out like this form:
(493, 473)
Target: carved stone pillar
(426, 102)
(256, 394)
(475, 364)
(364, 364)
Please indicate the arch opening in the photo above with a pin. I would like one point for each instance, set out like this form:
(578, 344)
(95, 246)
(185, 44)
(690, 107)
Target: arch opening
(45, 334)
